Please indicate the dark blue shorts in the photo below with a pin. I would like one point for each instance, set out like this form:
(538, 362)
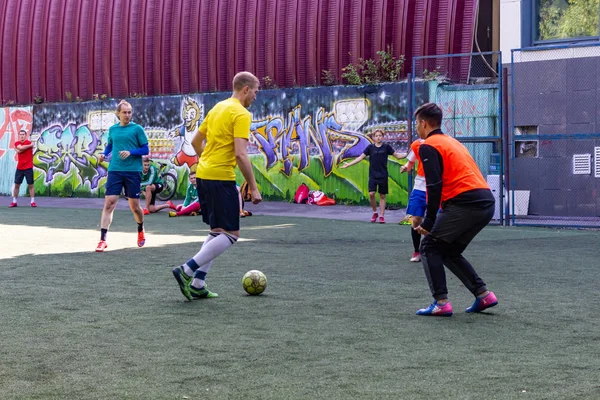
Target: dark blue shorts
(417, 203)
(219, 203)
(24, 174)
(379, 185)
(116, 181)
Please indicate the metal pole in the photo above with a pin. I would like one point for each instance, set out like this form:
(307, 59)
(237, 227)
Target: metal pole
(500, 122)
(409, 120)
(510, 145)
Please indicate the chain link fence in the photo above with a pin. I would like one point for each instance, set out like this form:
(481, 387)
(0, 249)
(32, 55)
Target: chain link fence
(553, 177)
(468, 88)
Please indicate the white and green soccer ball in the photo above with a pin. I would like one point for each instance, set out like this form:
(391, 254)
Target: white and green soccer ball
(254, 282)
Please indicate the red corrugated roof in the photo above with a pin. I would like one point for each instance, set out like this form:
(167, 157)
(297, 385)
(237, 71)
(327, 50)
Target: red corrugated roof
(84, 67)
(119, 82)
(9, 53)
(121, 47)
(265, 43)
(306, 48)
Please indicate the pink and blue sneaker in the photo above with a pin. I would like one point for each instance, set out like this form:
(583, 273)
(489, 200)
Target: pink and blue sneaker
(483, 303)
(437, 310)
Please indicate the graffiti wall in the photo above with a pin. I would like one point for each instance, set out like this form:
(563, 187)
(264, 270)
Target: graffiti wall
(297, 136)
(12, 120)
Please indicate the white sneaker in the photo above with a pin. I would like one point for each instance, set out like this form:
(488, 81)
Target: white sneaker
(416, 257)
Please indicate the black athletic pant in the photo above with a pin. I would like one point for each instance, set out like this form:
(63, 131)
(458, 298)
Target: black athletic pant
(454, 228)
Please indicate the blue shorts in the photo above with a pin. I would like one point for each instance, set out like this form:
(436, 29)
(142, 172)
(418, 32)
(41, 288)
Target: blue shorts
(417, 203)
(129, 180)
(219, 203)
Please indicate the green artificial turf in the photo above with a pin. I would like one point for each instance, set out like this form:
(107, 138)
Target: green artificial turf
(336, 321)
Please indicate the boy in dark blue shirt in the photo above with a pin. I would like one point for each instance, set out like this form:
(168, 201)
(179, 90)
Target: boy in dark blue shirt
(378, 153)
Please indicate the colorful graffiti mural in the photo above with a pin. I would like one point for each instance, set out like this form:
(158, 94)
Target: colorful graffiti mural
(297, 136)
(192, 114)
(61, 147)
(306, 138)
(12, 120)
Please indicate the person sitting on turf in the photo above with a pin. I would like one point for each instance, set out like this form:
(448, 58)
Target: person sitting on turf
(190, 205)
(151, 185)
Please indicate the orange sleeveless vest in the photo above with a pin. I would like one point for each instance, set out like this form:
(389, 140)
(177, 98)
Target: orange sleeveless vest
(414, 146)
(460, 172)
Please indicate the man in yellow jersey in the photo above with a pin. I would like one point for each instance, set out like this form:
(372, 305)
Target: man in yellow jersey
(221, 144)
(454, 183)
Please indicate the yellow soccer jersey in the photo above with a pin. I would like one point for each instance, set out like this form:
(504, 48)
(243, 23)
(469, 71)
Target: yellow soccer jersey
(227, 120)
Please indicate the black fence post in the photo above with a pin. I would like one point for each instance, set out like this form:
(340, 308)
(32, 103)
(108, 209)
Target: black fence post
(409, 127)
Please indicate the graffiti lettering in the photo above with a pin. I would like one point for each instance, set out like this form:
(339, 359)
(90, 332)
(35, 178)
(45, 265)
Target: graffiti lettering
(461, 108)
(58, 148)
(459, 127)
(266, 133)
(461, 112)
(279, 142)
(318, 125)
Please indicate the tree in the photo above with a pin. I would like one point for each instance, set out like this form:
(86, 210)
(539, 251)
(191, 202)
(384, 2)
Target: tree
(560, 19)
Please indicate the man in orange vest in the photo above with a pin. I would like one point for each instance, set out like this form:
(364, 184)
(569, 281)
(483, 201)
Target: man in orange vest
(455, 184)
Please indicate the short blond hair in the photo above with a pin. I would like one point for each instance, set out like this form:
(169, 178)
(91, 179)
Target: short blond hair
(243, 79)
(121, 104)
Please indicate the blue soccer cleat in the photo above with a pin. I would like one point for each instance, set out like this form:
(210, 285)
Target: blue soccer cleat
(437, 310)
(483, 303)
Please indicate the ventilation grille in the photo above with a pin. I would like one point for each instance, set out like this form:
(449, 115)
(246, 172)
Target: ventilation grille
(582, 164)
(597, 162)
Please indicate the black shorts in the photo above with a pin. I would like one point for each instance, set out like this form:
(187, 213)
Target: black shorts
(378, 183)
(219, 203)
(24, 173)
(116, 181)
(158, 187)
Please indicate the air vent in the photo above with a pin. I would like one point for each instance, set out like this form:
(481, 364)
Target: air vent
(582, 164)
(597, 162)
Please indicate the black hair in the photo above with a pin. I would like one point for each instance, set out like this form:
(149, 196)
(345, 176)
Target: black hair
(431, 113)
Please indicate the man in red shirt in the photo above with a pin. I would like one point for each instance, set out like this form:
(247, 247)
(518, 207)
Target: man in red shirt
(24, 168)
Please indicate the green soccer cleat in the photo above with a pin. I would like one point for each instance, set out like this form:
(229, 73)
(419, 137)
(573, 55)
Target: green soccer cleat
(203, 293)
(184, 282)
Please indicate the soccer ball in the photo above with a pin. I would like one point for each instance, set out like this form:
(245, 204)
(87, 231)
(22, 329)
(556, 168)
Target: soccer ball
(254, 282)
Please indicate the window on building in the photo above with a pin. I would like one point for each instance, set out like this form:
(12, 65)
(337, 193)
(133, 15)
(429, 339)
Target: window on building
(566, 19)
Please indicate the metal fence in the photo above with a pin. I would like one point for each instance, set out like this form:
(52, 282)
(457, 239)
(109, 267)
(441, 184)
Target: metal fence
(553, 177)
(468, 88)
